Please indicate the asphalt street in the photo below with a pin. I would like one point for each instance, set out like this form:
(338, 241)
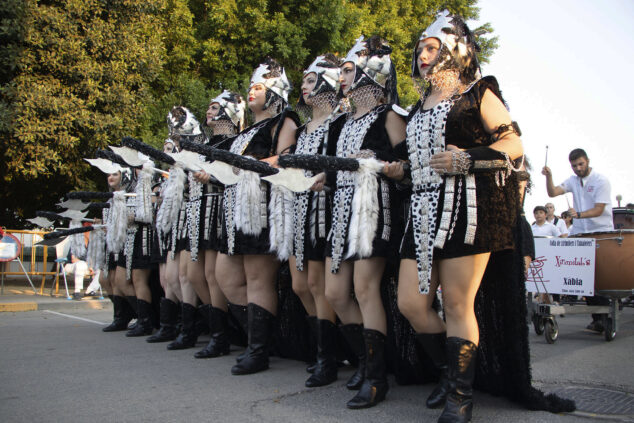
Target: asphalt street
(57, 365)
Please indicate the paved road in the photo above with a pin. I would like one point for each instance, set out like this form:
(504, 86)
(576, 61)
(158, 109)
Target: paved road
(61, 367)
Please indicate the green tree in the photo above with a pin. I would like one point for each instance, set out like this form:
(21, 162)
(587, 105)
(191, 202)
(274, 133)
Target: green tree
(81, 77)
(76, 75)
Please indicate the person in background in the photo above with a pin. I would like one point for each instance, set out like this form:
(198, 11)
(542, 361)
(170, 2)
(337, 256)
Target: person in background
(542, 227)
(558, 222)
(592, 208)
(568, 220)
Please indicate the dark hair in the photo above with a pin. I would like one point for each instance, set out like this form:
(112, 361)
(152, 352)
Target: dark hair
(577, 153)
(539, 208)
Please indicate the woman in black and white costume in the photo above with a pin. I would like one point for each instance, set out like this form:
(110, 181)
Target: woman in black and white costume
(183, 125)
(226, 117)
(362, 233)
(311, 213)
(167, 255)
(248, 258)
(460, 144)
(123, 312)
(137, 253)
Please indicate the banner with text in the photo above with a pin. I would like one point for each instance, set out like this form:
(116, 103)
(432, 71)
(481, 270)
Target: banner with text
(563, 266)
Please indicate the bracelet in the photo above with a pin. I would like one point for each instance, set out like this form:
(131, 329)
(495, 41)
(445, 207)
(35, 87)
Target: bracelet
(460, 162)
(578, 215)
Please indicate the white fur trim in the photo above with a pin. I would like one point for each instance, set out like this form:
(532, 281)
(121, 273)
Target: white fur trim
(365, 209)
(117, 223)
(281, 221)
(172, 196)
(96, 254)
(77, 245)
(248, 206)
(143, 202)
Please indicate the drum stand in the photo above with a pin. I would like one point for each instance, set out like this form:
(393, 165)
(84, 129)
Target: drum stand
(544, 320)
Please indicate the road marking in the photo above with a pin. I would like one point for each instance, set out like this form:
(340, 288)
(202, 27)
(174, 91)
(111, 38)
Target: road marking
(75, 317)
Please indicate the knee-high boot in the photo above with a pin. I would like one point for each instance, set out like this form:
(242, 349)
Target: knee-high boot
(434, 345)
(326, 366)
(144, 325)
(187, 336)
(312, 326)
(461, 364)
(167, 331)
(121, 315)
(256, 358)
(241, 314)
(374, 387)
(354, 336)
(132, 306)
(219, 343)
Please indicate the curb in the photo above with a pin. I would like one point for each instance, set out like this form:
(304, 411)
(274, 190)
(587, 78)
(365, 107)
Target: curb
(55, 306)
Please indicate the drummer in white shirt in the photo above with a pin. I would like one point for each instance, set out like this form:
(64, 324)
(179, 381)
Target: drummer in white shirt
(542, 227)
(592, 209)
(557, 221)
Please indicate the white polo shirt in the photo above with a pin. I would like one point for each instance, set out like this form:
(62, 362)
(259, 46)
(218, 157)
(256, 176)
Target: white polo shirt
(547, 229)
(586, 192)
(561, 225)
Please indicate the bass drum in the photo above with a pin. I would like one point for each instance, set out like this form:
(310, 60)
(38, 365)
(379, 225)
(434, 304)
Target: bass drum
(614, 268)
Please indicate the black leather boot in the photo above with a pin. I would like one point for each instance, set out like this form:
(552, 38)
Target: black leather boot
(202, 319)
(434, 345)
(144, 325)
(374, 387)
(132, 306)
(354, 336)
(240, 313)
(167, 331)
(187, 336)
(219, 343)
(326, 367)
(121, 315)
(312, 325)
(461, 364)
(256, 358)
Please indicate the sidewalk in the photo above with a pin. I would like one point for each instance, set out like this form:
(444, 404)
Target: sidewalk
(18, 298)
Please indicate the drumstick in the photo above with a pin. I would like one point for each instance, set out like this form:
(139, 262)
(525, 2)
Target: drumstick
(567, 201)
(546, 160)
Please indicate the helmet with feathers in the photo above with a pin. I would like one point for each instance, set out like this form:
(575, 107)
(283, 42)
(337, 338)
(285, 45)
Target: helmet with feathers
(458, 48)
(273, 77)
(373, 65)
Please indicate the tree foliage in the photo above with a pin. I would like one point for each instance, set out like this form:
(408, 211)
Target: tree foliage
(76, 75)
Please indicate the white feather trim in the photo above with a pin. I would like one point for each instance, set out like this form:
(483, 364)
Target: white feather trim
(248, 208)
(172, 197)
(77, 245)
(365, 209)
(117, 223)
(281, 221)
(143, 201)
(96, 252)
